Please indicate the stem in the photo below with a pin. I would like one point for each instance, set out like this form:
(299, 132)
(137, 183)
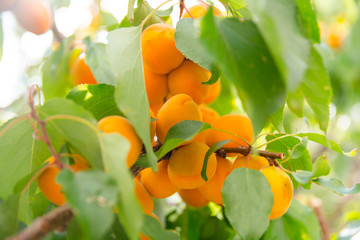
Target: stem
(316, 205)
(152, 13)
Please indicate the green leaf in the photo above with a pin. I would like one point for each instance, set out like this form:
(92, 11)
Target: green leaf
(211, 150)
(71, 123)
(242, 56)
(317, 90)
(299, 217)
(98, 62)
(350, 231)
(114, 151)
(277, 119)
(97, 99)
(131, 10)
(8, 216)
(248, 202)
(92, 194)
(1, 38)
(321, 167)
(337, 186)
(295, 102)
(215, 229)
(130, 95)
(56, 78)
(309, 22)
(277, 22)
(153, 229)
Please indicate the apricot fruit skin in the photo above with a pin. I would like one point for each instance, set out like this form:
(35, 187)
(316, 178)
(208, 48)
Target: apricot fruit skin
(158, 183)
(34, 15)
(208, 115)
(255, 162)
(186, 163)
(214, 92)
(144, 198)
(282, 189)
(193, 197)
(47, 183)
(6, 4)
(234, 123)
(124, 127)
(199, 10)
(159, 52)
(156, 87)
(212, 189)
(81, 72)
(178, 108)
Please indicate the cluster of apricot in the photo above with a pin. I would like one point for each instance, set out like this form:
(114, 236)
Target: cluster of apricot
(34, 15)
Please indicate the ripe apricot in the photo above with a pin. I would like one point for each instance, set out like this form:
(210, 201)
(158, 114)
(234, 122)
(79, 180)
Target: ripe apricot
(159, 52)
(124, 127)
(214, 92)
(254, 162)
(6, 4)
(208, 115)
(47, 183)
(178, 108)
(282, 189)
(234, 123)
(34, 15)
(199, 10)
(156, 87)
(81, 72)
(193, 197)
(212, 189)
(144, 198)
(185, 166)
(188, 79)
(158, 183)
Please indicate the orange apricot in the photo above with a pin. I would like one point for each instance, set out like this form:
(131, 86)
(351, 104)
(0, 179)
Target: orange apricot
(282, 189)
(159, 52)
(254, 162)
(144, 198)
(178, 108)
(81, 72)
(47, 183)
(186, 163)
(193, 197)
(156, 86)
(124, 127)
(208, 115)
(158, 183)
(34, 15)
(214, 92)
(212, 189)
(199, 10)
(6, 4)
(188, 79)
(234, 123)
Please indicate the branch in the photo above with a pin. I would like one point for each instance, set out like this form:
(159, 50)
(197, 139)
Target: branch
(58, 219)
(316, 205)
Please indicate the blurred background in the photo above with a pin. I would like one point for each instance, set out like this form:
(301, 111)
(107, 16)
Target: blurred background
(339, 22)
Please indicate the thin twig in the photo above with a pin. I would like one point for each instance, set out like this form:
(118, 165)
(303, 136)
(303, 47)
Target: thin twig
(316, 205)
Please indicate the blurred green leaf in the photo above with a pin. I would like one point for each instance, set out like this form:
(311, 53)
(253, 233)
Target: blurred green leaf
(114, 151)
(277, 22)
(8, 216)
(241, 54)
(92, 194)
(350, 231)
(211, 150)
(309, 22)
(153, 229)
(248, 202)
(1, 38)
(277, 119)
(295, 102)
(130, 12)
(97, 99)
(140, 13)
(215, 229)
(56, 78)
(130, 95)
(225, 103)
(337, 186)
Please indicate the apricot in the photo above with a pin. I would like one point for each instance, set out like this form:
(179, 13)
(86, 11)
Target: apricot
(178, 108)
(212, 189)
(234, 123)
(124, 127)
(47, 183)
(34, 15)
(81, 72)
(188, 79)
(158, 183)
(193, 197)
(254, 162)
(186, 163)
(144, 198)
(208, 115)
(214, 92)
(159, 52)
(6, 4)
(156, 87)
(282, 189)
(199, 10)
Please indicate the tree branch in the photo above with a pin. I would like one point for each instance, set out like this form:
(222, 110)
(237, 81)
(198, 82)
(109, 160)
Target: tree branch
(316, 205)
